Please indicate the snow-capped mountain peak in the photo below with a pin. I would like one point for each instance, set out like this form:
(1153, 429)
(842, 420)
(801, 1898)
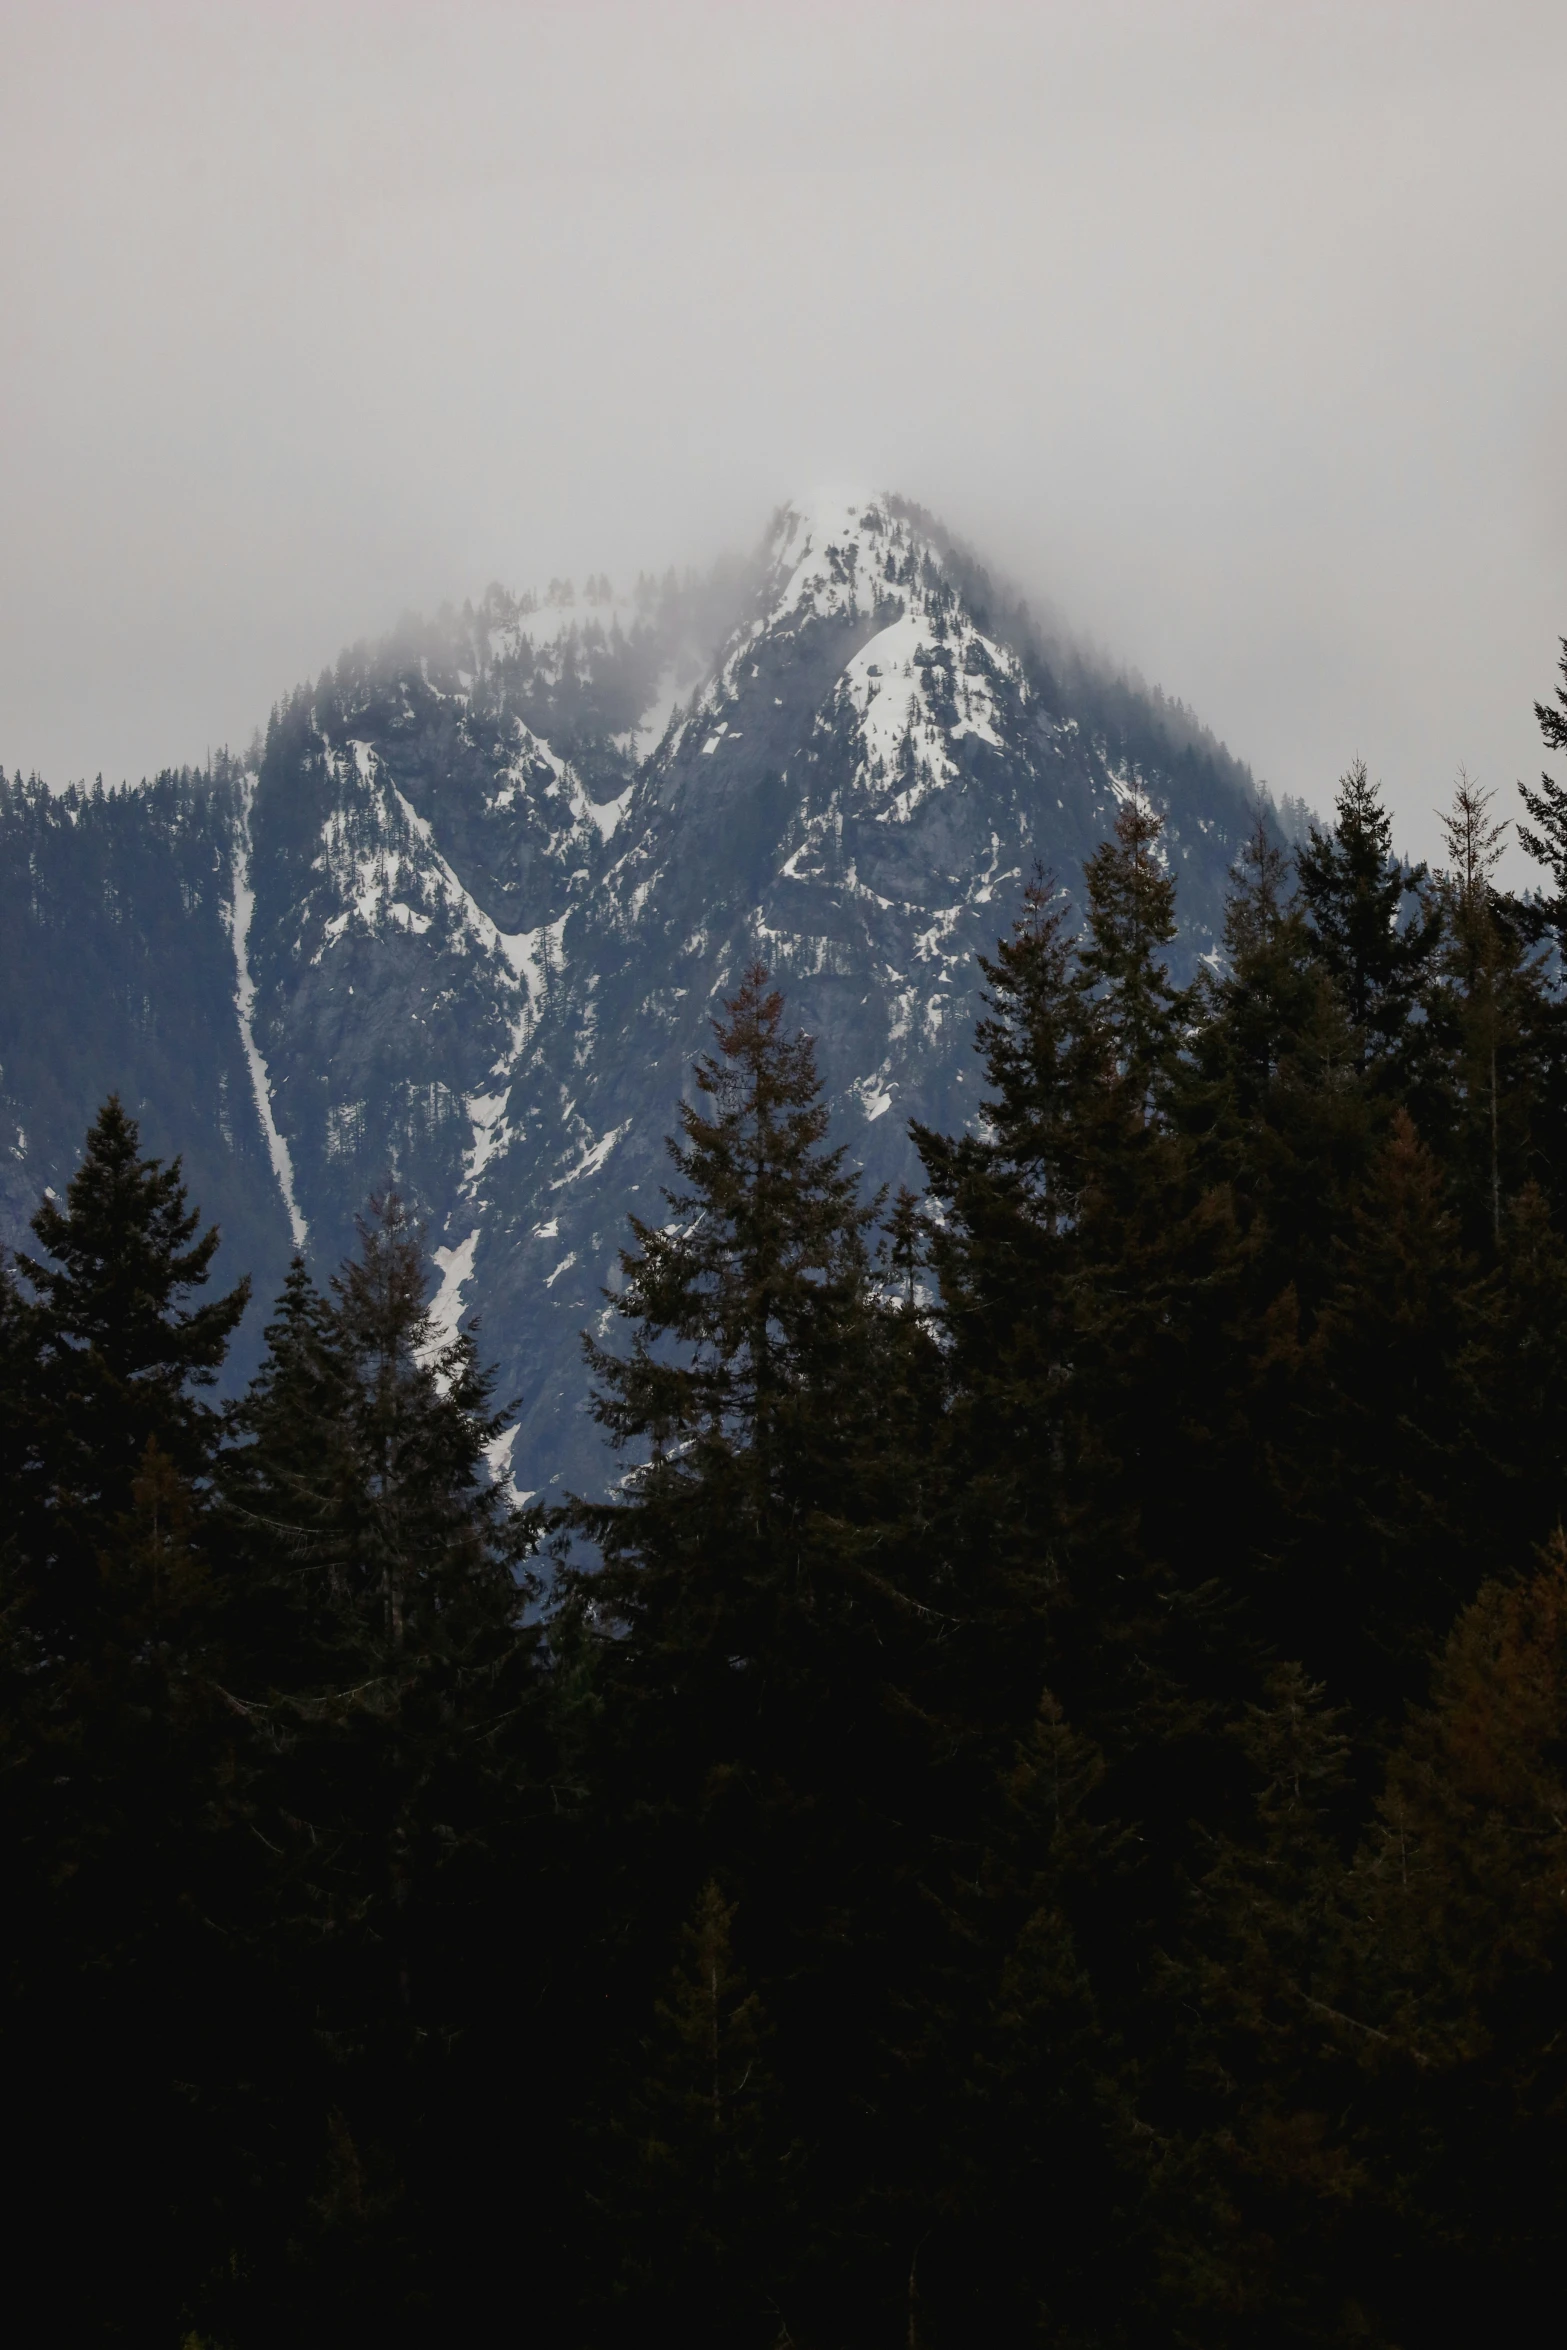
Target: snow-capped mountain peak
(492, 881)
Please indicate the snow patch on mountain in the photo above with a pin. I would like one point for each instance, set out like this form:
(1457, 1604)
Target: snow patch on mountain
(836, 557)
(593, 1157)
(238, 915)
(487, 1112)
(455, 1266)
(519, 947)
(604, 814)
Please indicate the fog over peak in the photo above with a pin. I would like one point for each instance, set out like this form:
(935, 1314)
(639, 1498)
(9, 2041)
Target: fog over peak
(1235, 336)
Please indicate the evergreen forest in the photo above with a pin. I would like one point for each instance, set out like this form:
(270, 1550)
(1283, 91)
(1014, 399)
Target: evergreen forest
(1033, 1814)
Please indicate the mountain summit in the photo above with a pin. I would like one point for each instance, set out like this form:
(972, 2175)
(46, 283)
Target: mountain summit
(462, 924)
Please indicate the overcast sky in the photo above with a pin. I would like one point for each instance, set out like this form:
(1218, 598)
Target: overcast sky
(1238, 332)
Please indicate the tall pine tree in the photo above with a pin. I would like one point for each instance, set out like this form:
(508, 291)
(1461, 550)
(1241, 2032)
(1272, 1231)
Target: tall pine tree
(757, 1654)
(115, 1803)
(384, 1657)
(1353, 888)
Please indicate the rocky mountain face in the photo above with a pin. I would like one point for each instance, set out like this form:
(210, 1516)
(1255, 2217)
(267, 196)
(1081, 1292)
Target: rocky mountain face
(463, 921)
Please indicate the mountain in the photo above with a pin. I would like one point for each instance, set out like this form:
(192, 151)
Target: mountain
(460, 923)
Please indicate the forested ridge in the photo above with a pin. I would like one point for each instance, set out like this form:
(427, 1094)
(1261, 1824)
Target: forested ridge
(1033, 1815)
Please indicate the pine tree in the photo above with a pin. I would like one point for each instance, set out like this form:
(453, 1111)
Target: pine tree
(119, 1361)
(1511, 1376)
(1488, 1017)
(114, 1806)
(1062, 1231)
(1130, 921)
(1005, 1248)
(1545, 836)
(1353, 888)
(1533, 917)
(1094, 1282)
(1254, 2194)
(752, 1315)
(1146, 1436)
(286, 1485)
(364, 1456)
(18, 1486)
(757, 1654)
(384, 1658)
(1455, 1952)
(1373, 1460)
(1046, 2242)
(1270, 1093)
(708, 2195)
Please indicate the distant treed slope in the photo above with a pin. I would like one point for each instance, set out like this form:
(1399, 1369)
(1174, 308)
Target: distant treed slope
(117, 974)
(505, 864)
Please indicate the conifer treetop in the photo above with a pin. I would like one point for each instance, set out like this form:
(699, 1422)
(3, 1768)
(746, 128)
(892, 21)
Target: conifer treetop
(125, 1250)
(766, 1235)
(1130, 921)
(1545, 836)
(1352, 885)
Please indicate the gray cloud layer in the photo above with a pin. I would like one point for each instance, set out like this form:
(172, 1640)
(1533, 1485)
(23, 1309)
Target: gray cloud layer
(1238, 332)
